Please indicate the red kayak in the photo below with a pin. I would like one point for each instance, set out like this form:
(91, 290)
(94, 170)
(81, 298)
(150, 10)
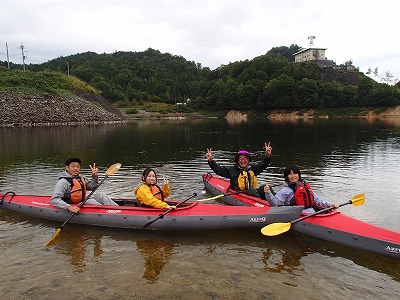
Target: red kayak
(191, 216)
(333, 226)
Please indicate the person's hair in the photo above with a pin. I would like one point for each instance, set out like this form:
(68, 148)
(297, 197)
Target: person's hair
(289, 169)
(146, 173)
(71, 160)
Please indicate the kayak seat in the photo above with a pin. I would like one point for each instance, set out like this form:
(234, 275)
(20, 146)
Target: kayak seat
(128, 202)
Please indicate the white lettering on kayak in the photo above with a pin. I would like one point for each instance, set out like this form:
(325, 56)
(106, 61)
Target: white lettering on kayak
(257, 220)
(113, 211)
(259, 204)
(40, 203)
(392, 249)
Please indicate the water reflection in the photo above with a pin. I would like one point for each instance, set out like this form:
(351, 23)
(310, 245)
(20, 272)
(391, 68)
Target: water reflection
(52, 144)
(156, 254)
(339, 157)
(279, 260)
(78, 247)
(368, 260)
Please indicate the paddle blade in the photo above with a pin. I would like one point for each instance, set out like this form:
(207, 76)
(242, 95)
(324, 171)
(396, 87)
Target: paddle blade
(53, 238)
(358, 199)
(275, 229)
(113, 169)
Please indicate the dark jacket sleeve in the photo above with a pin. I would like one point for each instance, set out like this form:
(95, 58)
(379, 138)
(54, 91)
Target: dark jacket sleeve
(261, 166)
(220, 170)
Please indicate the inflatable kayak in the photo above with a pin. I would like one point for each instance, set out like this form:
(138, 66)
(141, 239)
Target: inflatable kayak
(191, 216)
(333, 226)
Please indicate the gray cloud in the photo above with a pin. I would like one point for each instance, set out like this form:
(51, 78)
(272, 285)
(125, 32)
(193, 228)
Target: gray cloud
(209, 32)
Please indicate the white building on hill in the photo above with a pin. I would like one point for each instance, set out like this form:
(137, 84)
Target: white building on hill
(311, 53)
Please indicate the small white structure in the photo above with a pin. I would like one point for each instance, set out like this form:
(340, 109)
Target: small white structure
(183, 103)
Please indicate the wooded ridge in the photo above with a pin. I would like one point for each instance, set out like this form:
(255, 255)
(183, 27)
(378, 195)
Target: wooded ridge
(270, 81)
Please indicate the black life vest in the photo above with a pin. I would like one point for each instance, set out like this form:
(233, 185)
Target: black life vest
(303, 195)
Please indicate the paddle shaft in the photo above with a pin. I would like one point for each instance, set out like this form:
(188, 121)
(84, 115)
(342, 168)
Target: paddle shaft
(83, 202)
(318, 212)
(162, 215)
(222, 195)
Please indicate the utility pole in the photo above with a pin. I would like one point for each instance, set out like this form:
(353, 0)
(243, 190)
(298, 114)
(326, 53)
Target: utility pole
(23, 55)
(8, 58)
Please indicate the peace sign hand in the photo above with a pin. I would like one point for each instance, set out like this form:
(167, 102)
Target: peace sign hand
(95, 171)
(268, 149)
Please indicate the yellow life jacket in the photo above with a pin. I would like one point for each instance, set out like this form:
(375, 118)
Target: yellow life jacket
(243, 180)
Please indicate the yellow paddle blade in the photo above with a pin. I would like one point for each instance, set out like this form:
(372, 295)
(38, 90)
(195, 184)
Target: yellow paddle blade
(275, 229)
(53, 238)
(212, 198)
(358, 199)
(112, 169)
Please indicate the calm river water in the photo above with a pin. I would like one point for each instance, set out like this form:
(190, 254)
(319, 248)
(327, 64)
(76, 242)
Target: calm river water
(340, 158)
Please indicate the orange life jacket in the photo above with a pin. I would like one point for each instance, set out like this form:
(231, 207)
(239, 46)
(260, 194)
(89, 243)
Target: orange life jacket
(157, 192)
(77, 192)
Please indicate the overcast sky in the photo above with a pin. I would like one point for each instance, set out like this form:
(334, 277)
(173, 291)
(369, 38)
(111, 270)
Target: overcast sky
(210, 32)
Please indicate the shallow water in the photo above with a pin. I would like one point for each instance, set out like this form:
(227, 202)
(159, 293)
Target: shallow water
(339, 158)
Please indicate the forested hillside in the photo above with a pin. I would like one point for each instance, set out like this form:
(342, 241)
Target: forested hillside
(269, 81)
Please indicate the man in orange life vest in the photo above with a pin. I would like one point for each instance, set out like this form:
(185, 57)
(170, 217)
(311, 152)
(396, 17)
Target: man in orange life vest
(71, 187)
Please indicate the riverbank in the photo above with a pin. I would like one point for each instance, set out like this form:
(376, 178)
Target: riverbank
(391, 114)
(51, 110)
(143, 114)
(54, 110)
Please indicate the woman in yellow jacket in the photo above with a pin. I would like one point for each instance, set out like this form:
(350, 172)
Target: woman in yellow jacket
(149, 193)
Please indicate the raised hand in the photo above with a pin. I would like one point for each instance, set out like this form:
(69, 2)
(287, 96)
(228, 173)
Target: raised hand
(95, 171)
(166, 180)
(209, 154)
(268, 149)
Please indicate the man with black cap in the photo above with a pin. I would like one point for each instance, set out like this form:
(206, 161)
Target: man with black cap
(71, 187)
(243, 175)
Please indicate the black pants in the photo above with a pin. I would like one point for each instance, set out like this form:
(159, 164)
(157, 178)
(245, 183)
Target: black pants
(258, 192)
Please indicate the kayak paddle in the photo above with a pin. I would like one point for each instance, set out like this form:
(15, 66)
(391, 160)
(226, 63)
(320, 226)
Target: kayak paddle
(111, 170)
(278, 228)
(221, 195)
(162, 215)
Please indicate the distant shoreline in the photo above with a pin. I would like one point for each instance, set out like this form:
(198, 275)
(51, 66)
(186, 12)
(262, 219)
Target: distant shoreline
(388, 115)
(68, 110)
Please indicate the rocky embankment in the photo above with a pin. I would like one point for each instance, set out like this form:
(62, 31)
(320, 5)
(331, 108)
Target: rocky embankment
(51, 110)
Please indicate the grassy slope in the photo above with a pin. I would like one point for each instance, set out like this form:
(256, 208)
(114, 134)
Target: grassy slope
(41, 83)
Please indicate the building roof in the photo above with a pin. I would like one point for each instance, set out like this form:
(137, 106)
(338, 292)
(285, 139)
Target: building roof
(305, 49)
